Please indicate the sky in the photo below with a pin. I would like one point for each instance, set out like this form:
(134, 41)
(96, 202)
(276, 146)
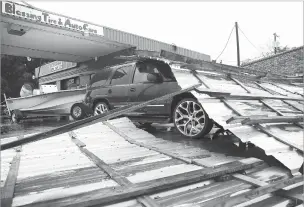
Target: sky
(198, 26)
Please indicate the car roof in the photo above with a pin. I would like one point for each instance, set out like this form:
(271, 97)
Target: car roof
(130, 62)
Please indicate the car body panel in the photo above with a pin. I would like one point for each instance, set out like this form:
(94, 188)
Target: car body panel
(130, 92)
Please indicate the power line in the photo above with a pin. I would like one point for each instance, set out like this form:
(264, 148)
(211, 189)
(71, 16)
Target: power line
(226, 43)
(249, 40)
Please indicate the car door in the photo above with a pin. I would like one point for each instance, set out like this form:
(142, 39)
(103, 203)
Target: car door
(142, 90)
(119, 86)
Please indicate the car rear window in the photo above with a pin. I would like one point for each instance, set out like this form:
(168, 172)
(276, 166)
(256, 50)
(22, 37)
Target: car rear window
(155, 67)
(166, 72)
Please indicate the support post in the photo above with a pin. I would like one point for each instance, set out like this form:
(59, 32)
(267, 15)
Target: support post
(237, 44)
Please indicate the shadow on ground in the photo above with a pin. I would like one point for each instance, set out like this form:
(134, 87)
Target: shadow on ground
(222, 144)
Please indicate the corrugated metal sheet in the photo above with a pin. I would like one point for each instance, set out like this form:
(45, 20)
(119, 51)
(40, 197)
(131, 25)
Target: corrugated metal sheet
(220, 112)
(143, 43)
(54, 170)
(66, 74)
(91, 162)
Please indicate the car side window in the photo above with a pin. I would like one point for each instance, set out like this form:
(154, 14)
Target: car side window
(142, 70)
(100, 78)
(121, 76)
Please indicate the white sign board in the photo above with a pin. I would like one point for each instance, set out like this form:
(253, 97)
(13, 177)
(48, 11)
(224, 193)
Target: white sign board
(24, 12)
(48, 88)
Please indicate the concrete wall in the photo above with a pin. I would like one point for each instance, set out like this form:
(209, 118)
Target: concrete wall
(286, 63)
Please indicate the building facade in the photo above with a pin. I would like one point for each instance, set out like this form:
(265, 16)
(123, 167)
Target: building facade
(288, 63)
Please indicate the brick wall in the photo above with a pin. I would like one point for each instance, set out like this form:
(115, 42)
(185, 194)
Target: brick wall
(285, 63)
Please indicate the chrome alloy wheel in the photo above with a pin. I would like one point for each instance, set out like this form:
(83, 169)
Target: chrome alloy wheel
(189, 118)
(100, 108)
(77, 111)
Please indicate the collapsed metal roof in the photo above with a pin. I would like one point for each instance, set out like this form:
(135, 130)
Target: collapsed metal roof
(120, 165)
(257, 109)
(116, 164)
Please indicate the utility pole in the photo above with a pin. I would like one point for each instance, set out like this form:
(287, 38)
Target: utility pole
(275, 42)
(237, 44)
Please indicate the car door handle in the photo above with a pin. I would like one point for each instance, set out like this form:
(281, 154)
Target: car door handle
(132, 89)
(109, 91)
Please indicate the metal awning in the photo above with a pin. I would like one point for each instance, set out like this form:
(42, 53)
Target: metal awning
(31, 32)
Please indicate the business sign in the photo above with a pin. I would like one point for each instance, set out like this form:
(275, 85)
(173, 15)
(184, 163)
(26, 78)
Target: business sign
(24, 12)
(53, 67)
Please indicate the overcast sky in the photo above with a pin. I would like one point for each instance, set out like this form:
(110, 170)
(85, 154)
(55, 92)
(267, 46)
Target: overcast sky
(199, 26)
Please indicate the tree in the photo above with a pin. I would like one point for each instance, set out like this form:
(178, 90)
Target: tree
(15, 71)
(280, 49)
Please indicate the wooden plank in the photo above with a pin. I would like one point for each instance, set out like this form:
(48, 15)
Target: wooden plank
(119, 194)
(272, 119)
(250, 180)
(206, 65)
(238, 119)
(8, 109)
(219, 72)
(269, 106)
(244, 197)
(212, 92)
(75, 140)
(269, 133)
(258, 97)
(279, 112)
(8, 190)
(284, 100)
(263, 129)
(294, 106)
(227, 95)
(200, 80)
(286, 89)
(92, 120)
(192, 197)
(269, 90)
(232, 108)
(165, 152)
(240, 84)
(121, 180)
(273, 109)
(256, 182)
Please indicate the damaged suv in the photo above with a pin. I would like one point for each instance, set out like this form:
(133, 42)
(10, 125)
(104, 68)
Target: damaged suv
(142, 80)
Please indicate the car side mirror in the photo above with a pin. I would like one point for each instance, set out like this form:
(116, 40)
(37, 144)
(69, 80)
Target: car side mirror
(154, 78)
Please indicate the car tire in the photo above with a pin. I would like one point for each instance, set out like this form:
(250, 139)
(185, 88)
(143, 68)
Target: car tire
(77, 112)
(100, 108)
(190, 119)
(144, 124)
